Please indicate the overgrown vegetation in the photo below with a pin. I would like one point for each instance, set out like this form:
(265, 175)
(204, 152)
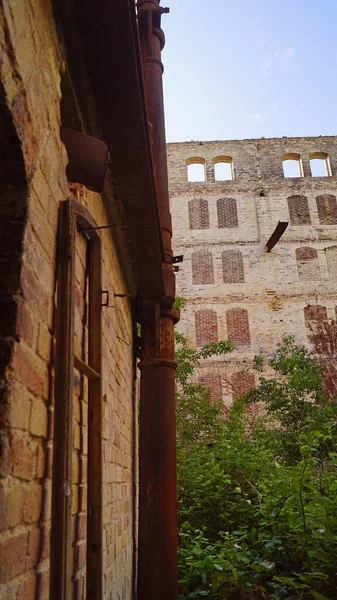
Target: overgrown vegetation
(257, 506)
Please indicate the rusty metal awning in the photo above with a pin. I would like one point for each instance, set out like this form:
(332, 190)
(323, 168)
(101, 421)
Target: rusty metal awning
(277, 233)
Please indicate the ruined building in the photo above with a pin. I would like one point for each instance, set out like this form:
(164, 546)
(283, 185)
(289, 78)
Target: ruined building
(85, 243)
(227, 198)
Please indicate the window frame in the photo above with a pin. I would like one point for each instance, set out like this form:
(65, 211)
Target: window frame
(227, 160)
(295, 157)
(196, 160)
(321, 156)
(73, 215)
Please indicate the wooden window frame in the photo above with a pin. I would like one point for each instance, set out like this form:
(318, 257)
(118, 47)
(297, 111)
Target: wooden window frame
(75, 216)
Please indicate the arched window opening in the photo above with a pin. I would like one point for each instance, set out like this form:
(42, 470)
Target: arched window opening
(292, 165)
(331, 259)
(241, 383)
(238, 327)
(227, 213)
(198, 214)
(232, 266)
(319, 164)
(213, 383)
(196, 170)
(206, 326)
(299, 210)
(315, 317)
(327, 209)
(307, 264)
(223, 168)
(202, 268)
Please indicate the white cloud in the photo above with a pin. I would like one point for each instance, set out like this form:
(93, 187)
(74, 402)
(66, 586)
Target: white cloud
(275, 106)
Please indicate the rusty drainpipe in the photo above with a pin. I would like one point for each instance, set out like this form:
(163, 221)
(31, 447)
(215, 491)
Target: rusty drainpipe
(158, 539)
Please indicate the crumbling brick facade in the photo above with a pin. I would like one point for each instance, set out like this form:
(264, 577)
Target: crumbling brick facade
(33, 186)
(257, 296)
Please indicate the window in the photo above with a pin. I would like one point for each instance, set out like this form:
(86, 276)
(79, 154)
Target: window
(327, 209)
(241, 383)
(213, 383)
(202, 268)
(196, 169)
(314, 317)
(299, 210)
(227, 213)
(307, 264)
(206, 327)
(223, 168)
(331, 259)
(238, 327)
(198, 214)
(232, 266)
(292, 165)
(319, 164)
(89, 366)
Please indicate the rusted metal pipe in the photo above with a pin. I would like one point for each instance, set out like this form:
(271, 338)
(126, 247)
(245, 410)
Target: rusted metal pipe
(158, 537)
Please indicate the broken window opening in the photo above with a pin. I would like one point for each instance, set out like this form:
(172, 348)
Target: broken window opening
(196, 169)
(320, 164)
(223, 168)
(292, 165)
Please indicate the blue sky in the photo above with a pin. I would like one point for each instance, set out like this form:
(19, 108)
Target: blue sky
(250, 68)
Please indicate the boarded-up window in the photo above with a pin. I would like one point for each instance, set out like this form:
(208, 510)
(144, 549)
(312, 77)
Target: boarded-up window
(314, 316)
(238, 327)
(198, 214)
(299, 210)
(307, 264)
(327, 209)
(202, 268)
(232, 266)
(315, 312)
(241, 383)
(212, 381)
(206, 326)
(331, 259)
(227, 213)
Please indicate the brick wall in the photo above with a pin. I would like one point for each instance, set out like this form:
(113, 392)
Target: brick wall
(274, 288)
(31, 73)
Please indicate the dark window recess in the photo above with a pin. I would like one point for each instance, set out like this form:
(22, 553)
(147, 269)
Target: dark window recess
(206, 327)
(238, 327)
(307, 264)
(213, 383)
(232, 266)
(227, 213)
(299, 210)
(202, 268)
(198, 214)
(327, 209)
(241, 383)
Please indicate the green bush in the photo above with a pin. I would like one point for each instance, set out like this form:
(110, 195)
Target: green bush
(257, 511)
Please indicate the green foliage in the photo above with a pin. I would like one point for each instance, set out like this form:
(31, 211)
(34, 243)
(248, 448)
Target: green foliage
(257, 511)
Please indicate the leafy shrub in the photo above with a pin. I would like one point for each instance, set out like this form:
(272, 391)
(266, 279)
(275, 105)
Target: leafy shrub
(257, 513)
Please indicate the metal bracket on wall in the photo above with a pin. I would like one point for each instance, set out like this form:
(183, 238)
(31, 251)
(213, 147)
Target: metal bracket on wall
(277, 233)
